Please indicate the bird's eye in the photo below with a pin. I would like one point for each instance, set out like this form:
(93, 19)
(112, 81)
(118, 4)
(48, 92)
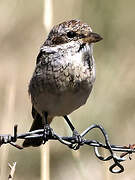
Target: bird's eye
(71, 34)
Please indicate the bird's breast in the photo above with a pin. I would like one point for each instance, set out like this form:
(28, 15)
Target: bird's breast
(69, 74)
(62, 85)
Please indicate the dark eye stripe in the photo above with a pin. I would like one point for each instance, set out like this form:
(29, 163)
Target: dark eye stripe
(82, 36)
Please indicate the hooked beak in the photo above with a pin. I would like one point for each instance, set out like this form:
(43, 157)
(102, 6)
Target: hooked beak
(92, 38)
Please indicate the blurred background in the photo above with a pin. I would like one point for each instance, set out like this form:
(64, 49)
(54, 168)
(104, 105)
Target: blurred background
(111, 104)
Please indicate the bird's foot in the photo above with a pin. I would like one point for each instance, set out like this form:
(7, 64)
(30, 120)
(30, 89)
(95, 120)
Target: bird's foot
(77, 140)
(48, 133)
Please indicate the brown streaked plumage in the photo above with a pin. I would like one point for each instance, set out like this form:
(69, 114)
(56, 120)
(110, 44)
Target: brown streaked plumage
(64, 73)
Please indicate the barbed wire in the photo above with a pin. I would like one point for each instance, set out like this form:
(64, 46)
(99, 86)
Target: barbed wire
(73, 143)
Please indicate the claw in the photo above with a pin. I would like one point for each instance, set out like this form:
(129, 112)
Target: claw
(48, 133)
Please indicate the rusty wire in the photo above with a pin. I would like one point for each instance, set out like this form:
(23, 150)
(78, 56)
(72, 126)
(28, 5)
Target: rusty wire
(72, 143)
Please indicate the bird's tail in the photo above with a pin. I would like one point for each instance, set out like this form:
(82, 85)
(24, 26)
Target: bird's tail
(37, 124)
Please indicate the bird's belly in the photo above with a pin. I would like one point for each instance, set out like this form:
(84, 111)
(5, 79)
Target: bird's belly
(61, 104)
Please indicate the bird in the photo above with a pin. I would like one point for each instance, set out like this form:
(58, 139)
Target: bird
(64, 74)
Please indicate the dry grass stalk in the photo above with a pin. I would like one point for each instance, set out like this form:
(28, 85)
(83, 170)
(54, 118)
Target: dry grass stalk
(7, 121)
(45, 169)
(12, 171)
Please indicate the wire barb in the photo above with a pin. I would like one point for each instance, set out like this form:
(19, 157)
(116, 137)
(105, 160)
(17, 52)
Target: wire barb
(75, 143)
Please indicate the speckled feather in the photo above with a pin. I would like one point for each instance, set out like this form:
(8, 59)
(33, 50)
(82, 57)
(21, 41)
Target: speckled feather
(59, 73)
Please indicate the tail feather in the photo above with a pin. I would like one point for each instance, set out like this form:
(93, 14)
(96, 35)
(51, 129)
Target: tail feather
(37, 124)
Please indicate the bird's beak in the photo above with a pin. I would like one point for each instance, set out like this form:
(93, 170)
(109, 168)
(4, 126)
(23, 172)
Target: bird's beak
(92, 38)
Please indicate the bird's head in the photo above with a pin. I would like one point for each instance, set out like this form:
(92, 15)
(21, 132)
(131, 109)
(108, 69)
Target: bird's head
(73, 30)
